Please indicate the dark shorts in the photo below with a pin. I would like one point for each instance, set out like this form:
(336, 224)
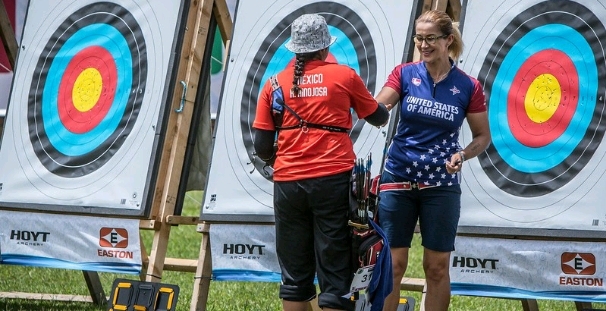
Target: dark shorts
(437, 210)
(312, 236)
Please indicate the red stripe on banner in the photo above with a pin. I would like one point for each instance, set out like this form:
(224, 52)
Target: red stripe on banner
(10, 9)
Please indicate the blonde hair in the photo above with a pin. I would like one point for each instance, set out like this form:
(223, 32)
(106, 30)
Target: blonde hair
(444, 22)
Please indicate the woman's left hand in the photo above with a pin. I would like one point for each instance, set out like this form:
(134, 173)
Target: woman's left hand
(455, 164)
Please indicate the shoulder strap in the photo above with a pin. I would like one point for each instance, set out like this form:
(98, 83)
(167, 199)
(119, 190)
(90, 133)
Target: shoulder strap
(277, 102)
(278, 106)
(274, 82)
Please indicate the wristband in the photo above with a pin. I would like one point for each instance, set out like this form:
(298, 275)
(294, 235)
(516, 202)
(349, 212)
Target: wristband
(462, 155)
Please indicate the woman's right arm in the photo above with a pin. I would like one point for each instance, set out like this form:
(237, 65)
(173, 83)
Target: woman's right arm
(388, 97)
(390, 93)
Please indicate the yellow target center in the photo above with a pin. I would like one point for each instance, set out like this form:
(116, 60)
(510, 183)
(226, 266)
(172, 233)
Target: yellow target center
(543, 98)
(87, 89)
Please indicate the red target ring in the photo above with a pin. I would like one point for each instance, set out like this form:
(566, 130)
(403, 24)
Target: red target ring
(543, 98)
(87, 89)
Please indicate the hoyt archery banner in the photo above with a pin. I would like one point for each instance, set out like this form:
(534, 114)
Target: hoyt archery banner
(85, 113)
(70, 242)
(248, 253)
(529, 269)
(371, 38)
(542, 67)
(244, 253)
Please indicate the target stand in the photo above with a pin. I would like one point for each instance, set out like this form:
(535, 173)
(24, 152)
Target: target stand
(542, 169)
(201, 17)
(93, 282)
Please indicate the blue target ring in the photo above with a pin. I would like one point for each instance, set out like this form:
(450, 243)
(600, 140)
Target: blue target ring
(62, 139)
(531, 159)
(111, 28)
(524, 171)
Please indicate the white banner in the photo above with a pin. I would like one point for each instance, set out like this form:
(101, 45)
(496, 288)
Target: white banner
(244, 253)
(542, 67)
(70, 242)
(513, 268)
(372, 38)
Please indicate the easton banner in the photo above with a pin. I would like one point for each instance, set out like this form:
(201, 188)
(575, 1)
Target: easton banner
(372, 37)
(541, 64)
(70, 242)
(85, 118)
(507, 268)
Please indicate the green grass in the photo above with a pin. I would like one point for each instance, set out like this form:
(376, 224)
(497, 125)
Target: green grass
(184, 242)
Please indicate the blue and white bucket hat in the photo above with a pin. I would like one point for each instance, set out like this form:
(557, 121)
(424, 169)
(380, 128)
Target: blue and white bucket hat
(309, 33)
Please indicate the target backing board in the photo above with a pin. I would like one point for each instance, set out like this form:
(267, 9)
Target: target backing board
(85, 115)
(542, 67)
(371, 38)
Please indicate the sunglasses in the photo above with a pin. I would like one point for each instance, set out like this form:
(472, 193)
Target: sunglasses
(431, 39)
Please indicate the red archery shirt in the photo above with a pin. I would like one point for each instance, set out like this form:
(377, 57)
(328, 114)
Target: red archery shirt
(328, 93)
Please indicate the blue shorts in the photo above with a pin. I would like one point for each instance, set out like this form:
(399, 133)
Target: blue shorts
(437, 209)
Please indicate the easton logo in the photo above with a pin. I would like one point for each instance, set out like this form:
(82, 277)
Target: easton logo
(113, 237)
(578, 263)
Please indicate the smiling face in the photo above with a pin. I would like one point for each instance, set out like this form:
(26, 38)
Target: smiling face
(436, 52)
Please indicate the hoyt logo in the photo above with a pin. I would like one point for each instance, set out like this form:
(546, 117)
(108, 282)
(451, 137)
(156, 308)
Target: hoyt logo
(243, 251)
(113, 238)
(579, 267)
(474, 265)
(31, 238)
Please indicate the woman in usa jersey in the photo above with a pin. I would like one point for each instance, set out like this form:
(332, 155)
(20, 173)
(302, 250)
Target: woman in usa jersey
(420, 181)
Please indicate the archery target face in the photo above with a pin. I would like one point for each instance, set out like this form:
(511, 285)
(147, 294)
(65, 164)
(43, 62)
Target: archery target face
(368, 40)
(542, 67)
(82, 119)
(92, 75)
(353, 47)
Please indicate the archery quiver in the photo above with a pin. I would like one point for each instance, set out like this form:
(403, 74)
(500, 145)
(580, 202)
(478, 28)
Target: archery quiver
(366, 242)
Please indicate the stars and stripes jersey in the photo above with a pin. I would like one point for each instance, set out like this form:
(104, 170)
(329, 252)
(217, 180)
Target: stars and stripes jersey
(431, 115)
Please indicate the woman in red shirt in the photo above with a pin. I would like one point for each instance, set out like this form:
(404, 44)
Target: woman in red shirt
(313, 165)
